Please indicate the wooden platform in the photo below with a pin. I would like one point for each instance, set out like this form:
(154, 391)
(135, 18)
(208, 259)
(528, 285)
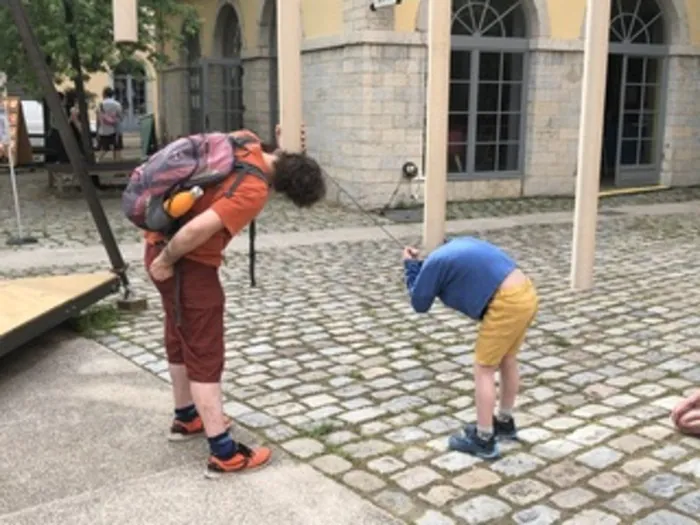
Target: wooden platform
(109, 173)
(33, 305)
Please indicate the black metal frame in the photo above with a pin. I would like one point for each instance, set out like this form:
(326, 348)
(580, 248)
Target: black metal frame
(24, 333)
(56, 316)
(37, 59)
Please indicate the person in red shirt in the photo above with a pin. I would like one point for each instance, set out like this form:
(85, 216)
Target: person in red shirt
(194, 302)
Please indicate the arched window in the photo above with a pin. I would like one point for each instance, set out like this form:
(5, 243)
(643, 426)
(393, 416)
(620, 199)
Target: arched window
(191, 50)
(223, 74)
(228, 33)
(130, 89)
(268, 31)
(487, 88)
(634, 97)
(636, 22)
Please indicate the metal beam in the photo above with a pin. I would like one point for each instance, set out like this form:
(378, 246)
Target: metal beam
(37, 61)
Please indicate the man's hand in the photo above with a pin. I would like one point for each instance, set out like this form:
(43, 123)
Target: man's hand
(278, 136)
(410, 253)
(685, 405)
(160, 270)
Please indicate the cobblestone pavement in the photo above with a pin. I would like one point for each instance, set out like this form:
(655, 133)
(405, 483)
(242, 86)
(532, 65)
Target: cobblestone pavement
(65, 221)
(326, 359)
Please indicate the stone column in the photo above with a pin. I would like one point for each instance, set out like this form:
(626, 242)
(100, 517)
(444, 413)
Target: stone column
(680, 155)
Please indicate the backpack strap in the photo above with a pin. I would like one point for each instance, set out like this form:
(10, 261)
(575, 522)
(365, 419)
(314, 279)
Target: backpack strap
(242, 168)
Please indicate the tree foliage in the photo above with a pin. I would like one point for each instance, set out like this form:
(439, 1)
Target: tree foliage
(160, 22)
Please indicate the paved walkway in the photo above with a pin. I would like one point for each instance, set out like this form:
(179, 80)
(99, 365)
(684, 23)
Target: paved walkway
(326, 360)
(82, 442)
(65, 222)
(24, 260)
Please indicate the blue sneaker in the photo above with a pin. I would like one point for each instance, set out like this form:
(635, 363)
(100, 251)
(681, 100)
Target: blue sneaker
(505, 430)
(469, 442)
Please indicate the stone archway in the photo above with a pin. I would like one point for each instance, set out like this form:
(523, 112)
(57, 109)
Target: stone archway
(228, 32)
(675, 15)
(223, 73)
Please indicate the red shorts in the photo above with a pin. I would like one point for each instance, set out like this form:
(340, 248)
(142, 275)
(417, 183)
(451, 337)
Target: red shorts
(198, 341)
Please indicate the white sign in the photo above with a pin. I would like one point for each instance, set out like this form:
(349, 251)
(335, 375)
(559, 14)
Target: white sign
(377, 4)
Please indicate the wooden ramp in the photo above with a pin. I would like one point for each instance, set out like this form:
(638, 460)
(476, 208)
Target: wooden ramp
(31, 306)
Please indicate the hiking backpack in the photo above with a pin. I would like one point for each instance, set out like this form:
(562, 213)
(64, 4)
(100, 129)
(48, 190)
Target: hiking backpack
(202, 160)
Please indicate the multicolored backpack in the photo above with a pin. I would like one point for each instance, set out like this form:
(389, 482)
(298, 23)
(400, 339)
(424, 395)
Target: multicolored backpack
(202, 160)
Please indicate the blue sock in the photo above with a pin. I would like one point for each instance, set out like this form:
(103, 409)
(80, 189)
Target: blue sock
(222, 446)
(186, 414)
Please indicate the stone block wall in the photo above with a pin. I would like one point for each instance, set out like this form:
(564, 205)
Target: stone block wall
(256, 96)
(364, 107)
(175, 102)
(552, 127)
(364, 112)
(680, 164)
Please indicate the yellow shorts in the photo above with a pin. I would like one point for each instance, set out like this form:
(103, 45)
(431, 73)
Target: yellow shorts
(507, 319)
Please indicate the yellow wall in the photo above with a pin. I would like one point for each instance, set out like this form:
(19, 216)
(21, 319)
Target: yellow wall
(322, 17)
(566, 18)
(325, 18)
(319, 18)
(405, 16)
(100, 80)
(693, 8)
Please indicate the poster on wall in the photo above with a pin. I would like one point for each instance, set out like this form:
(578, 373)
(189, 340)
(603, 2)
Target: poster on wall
(14, 131)
(4, 134)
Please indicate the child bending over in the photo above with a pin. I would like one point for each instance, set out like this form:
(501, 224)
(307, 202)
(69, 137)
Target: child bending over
(480, 281)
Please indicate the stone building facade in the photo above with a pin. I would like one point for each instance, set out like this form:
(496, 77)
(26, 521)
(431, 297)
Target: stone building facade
(516, 70)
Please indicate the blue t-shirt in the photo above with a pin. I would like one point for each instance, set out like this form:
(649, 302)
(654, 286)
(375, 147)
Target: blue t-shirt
(464, 274)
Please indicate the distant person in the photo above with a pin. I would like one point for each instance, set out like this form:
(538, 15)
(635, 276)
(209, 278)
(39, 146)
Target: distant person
(109, 119)
(54, 142)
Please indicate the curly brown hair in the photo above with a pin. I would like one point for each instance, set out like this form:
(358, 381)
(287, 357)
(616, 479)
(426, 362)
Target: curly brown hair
(300, 178)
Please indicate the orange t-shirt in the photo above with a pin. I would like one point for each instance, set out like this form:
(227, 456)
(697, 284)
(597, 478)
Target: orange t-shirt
(235, 212)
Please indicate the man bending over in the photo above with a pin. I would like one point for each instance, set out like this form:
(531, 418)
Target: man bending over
(194, 302)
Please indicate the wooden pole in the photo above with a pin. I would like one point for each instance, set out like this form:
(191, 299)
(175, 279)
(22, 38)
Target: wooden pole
(289, 67)
(125, 15)
(439, 23)
(590, 143)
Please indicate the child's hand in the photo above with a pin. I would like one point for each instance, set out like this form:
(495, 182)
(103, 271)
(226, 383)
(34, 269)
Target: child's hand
(410, 253)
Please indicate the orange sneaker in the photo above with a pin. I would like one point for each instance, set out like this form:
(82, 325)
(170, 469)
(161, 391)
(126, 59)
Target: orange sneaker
(245, 458)
(184, 430)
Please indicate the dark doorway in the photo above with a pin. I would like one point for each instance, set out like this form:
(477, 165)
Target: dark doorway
(611, 121)
(634, 105)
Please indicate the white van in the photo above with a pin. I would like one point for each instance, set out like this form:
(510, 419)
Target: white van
(34, 118)
(33, 111)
